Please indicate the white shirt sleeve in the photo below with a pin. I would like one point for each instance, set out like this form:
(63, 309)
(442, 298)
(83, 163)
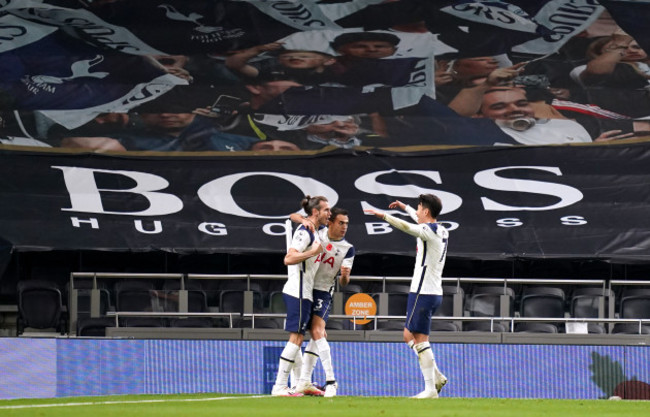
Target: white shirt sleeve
(301, 239)
(411, 212)
(418, 230)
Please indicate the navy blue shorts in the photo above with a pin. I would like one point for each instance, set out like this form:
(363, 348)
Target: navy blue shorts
(419, 310)
(298, 313)
(322, 304)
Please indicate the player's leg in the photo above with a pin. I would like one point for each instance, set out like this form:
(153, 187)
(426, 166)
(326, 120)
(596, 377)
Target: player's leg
(321, 314)
(287, 361)
(296, 370)
(318, 346)
(308, 363)
(325, 355)
(418, 321)
(440, 378)
(298, 311)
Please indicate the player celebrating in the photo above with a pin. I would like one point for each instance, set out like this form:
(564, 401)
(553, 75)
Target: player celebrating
(337, 256)
(426, 285)
(297, 292)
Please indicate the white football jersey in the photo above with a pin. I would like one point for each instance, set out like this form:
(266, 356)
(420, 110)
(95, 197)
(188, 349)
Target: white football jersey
(432, 239)
(300, 282)
(337, 253)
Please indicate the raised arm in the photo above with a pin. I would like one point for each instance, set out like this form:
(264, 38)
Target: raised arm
(604, 64)
(404, 207)
(468, 100)
(410, 228)
(239, 61)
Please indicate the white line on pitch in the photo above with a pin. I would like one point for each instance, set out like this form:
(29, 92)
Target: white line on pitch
(171, 400)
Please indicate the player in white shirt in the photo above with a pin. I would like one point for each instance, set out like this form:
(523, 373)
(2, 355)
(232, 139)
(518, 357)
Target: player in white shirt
(297, 292)
(338, 255)
(425, 294)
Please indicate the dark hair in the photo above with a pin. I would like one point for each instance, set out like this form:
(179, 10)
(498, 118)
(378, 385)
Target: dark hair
(337, 211)
(309, 203)
(431, 202)
(279, 52)
(364, 36)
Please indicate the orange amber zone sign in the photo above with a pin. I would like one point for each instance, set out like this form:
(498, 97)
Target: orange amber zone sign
(361, 305)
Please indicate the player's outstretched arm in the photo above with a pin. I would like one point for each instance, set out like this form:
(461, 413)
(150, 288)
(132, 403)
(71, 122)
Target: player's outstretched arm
(374, 212)
(400, 224)
(397, 204)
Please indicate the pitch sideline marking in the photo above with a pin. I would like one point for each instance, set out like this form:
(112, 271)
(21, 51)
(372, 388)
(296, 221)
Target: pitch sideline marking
(13, 407)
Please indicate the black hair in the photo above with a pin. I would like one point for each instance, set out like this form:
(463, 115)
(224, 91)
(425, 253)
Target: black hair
(431, 202)
(309, 203)
(337, 211)
(364, 36)
(283, 51)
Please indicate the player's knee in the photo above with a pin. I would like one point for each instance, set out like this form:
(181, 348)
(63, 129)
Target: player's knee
(318, 333)
(407, 335)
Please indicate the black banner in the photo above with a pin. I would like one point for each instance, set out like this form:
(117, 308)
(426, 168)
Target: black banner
(499, 203)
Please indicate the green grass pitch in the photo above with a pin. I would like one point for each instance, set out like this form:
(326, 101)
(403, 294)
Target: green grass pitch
(218, 405)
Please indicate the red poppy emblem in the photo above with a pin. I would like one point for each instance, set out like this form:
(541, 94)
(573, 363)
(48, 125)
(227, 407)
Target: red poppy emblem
(329, 247)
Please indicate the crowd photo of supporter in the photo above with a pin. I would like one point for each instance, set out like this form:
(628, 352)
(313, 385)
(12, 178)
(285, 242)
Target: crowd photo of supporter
(380, 75)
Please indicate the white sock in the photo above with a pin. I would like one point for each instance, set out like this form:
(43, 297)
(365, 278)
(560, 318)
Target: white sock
(309, 361)
(287, 360)
(297, 368)
(425, 358)
(325, 358)
(411, 345)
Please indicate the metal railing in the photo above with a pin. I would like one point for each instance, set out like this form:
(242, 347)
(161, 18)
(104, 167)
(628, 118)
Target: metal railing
(607, 313)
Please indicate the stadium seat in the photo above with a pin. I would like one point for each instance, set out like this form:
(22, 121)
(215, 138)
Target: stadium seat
(199, 322)
(239, 285)
(397, 303)
(630, 328)
(535, 327)
(276, 303)
(484, 326)
(84, 287)
(595, 328)
(197, 299)
(142, 322)
(398, 288)
(40, 306)
(134, 295)
(486, 301)
(94, 326)
(232, 301)
(443, 326)
(268, 323)
(542, 302)
(635, 306)
(384, 325)
(447, 306)
(350, 290)
(335, 325)
(584, 301)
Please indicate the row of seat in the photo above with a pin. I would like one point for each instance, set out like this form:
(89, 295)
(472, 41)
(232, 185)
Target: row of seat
(41, 303)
